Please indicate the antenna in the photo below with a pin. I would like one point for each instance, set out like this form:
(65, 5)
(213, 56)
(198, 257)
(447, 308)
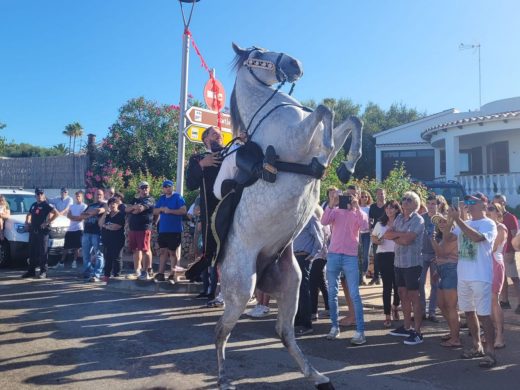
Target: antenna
(476, 46)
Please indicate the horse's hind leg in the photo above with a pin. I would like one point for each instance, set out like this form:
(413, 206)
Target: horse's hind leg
(287, 299)
(237, 285)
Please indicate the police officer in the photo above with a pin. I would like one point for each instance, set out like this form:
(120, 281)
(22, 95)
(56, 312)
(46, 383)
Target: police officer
(37, 223)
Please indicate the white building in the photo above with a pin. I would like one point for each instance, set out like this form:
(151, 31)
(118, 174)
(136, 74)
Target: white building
(480, 149)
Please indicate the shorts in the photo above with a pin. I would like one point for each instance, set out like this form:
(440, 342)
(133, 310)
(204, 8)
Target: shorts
(139, 240)
(447, 276)
(498, 277)
(510, 262)
(73, 239)
(408, 277)
(169, 240)
(474, 296)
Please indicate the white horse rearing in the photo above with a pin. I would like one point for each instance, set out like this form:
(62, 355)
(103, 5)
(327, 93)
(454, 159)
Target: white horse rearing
(258, 250)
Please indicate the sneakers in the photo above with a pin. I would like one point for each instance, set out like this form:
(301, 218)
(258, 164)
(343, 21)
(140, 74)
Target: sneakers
(159, 278)
(202, 295)
(74, 265)
(60, 266)
(171, 279)
(333, 334)
(358, 339)
(29, 274)
(258, 311)
(505, 305)
(433, 318)
(414, 338)
(94, 279)
(42, 275)
(105, 279)
(517, 310)
(144, 276)
(400, 332)
(302, 331)
(314, 317)
(133, 276)
(217, 302)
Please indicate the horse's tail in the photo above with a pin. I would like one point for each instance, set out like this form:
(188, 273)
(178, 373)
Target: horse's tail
(346, 168)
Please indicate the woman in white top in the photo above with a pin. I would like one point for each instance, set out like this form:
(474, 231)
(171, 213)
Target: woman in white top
(385, 259)
(365, 200)
(495, 211)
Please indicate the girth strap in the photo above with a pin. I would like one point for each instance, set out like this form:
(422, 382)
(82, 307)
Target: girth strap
(314, 169)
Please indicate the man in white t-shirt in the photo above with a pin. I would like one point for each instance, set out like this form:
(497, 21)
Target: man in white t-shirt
(475, 274)
(75, 231)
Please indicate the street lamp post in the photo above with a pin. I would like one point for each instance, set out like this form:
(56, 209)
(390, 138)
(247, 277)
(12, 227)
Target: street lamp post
(183, 101)
(464, 46)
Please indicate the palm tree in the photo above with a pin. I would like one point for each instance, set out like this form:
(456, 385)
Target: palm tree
(73, 131)
(68, 133)
(76, 133)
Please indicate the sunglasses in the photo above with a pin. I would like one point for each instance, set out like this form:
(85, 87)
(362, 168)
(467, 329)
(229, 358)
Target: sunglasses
(470, 202)
(143, 187)
(407, 200)
(166, 186)
(491, 209)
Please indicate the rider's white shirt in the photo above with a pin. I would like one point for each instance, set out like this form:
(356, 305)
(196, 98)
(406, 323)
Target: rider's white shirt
(228, 170)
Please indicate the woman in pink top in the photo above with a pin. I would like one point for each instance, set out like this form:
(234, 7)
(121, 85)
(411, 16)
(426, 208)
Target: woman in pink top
(346, 223)
(495, 211)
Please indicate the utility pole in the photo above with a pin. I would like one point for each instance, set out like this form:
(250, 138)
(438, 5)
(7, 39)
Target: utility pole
(183, 101)
(464, 46)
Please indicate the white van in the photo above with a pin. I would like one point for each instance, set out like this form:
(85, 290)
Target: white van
(15, 247)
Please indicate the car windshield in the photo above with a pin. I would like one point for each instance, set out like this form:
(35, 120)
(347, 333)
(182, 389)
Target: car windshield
(448, 192)
(18, 203)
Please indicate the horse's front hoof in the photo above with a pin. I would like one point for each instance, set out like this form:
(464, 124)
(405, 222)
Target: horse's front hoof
(343, 173)
(226, 385)
(325, 386)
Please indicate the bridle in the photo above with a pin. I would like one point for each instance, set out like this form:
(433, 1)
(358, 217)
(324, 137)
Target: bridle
(255, 63)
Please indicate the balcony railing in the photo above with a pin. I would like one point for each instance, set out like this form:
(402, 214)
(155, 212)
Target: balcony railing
(501, 183)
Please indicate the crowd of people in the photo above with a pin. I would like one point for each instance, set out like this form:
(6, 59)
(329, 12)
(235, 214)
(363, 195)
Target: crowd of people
(467, 250)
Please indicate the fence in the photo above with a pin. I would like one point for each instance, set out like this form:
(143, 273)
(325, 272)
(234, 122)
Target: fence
(44, 172)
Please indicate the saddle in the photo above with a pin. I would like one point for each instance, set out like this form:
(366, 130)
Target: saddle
(252, 165)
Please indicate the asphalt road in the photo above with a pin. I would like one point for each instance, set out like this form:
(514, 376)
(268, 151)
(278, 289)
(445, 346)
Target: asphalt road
(62, 333)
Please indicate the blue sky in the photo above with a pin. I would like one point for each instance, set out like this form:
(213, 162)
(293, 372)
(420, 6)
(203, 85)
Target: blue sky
(63, 61)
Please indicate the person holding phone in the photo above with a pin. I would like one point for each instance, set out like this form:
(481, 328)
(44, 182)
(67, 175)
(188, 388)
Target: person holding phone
(346, 224)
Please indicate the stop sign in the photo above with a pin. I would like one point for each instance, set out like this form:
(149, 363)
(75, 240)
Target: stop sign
(214, 95)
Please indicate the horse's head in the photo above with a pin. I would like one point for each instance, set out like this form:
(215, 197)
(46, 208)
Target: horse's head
(268, 67)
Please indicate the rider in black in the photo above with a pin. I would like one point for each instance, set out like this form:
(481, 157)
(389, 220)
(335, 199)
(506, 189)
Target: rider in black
(37, 222)
(201, 174)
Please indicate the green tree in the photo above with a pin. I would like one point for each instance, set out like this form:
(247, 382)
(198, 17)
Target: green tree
(144, 138)
(2, 139)
(60, 149)
(68, 133)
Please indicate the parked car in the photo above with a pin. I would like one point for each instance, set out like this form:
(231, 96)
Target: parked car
(449, 189)
(15, 247)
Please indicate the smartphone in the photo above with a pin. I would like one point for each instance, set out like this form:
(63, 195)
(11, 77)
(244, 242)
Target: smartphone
(344, 201)
(455, 202)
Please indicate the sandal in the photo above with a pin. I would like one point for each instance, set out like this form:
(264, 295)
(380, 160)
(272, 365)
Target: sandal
(445, 337)
(387, 324)
(488, 362)
(449, 344)
(472, 354)
(395, 313)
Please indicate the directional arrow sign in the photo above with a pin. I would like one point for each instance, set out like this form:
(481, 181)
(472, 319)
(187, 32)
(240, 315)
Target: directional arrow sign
(203, 117)
(194, 133)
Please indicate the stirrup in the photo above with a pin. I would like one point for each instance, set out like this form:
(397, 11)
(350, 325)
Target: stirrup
(269, 170)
